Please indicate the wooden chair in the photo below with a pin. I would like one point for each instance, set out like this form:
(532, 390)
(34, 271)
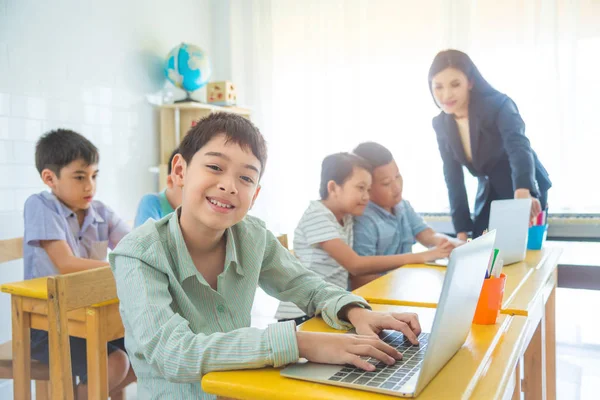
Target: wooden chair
(67, 293)
(10, 250)
(283, 239)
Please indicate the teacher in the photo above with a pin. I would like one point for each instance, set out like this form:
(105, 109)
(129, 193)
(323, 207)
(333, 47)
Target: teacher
(481, 129)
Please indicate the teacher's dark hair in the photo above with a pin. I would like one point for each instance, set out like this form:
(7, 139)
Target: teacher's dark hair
(461, 61)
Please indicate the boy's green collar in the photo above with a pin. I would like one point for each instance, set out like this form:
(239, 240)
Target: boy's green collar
(183, 258)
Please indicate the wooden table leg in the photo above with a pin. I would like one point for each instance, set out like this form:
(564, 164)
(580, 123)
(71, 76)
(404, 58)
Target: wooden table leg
(97, 357)
(42, 390)
(534, 385)
(21, 347)
(517, 391)
(550, 321)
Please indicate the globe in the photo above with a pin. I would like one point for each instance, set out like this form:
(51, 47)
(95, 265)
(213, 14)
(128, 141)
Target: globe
(187, 67)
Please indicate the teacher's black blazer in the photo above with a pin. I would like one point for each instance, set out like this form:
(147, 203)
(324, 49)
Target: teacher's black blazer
(502, 157)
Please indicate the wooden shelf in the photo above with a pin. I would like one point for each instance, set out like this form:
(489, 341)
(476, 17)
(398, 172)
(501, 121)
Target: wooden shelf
(203, 106)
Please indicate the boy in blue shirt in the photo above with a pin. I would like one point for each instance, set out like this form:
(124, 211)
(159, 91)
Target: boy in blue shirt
(195, 274)
(66, 231)
(389, 224)
(157, 205)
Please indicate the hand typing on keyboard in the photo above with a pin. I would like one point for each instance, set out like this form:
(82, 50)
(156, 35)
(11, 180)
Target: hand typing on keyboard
(371, 323)
(333, 348)
(388, 376)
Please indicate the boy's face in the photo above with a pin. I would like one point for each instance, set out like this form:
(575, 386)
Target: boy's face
(386, 190)
(76, 185)
(353, 194)
(220, 184)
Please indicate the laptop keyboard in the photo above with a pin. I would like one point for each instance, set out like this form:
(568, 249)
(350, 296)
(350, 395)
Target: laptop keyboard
(390, 377)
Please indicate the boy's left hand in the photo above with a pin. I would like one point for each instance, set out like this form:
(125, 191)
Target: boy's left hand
(371, 323)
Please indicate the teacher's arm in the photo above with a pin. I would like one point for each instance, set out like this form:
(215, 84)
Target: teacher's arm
(455, 182)
(520, 156)
(518, 148)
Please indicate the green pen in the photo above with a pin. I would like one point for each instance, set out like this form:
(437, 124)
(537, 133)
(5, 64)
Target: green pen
(489, 272)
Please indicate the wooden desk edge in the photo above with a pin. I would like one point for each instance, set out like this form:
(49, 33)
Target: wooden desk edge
(551, 257)
(518, 348)
(15, 292)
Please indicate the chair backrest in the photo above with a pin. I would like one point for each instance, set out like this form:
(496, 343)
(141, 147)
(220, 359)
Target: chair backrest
(283, 240)
(82, 289)
(66, 293)
(11, 249)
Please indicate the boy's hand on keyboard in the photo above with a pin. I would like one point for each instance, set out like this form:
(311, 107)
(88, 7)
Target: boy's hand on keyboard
(371, 323)
(335, 348)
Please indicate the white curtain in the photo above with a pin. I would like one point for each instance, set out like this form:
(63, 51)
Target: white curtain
(322, 76)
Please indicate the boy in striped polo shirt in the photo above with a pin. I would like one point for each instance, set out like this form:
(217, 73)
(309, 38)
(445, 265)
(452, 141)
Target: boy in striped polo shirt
(323, 238)
(186, 283)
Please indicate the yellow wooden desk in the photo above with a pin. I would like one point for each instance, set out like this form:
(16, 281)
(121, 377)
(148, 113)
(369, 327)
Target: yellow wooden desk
(97, 324)
(485, 354)
(501, 376)
(420, 285)
(530, 292)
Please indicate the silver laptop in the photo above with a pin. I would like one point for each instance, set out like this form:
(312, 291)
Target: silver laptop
(451, 325)
(510, 219)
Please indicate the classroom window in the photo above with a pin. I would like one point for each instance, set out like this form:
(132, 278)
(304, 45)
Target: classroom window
(355, 71)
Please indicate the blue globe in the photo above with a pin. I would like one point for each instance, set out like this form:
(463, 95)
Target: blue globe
(187, 67)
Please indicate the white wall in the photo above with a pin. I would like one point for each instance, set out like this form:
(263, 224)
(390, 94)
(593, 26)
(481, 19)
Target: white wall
(86, 66)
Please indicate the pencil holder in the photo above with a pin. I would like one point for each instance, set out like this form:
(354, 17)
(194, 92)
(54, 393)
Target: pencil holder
(490, 301)
(536, 237)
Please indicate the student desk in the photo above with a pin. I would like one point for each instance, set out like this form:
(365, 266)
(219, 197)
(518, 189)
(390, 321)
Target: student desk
(483, 368)
(529, 292)
(98, 324)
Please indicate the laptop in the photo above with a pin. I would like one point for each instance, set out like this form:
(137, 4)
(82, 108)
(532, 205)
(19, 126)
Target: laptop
(510, 219)
(420, 363)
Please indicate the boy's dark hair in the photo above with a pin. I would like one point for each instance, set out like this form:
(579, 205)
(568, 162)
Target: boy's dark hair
(60, 147)
(236, 128)
(169, 166)
(338, 168)
(375, 154)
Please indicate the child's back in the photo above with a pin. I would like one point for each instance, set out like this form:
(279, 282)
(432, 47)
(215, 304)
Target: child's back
(318, 224)
(152, 206)
(158, 205)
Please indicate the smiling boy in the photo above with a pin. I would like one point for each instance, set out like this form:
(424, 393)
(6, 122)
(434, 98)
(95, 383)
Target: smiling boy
(196, 271)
